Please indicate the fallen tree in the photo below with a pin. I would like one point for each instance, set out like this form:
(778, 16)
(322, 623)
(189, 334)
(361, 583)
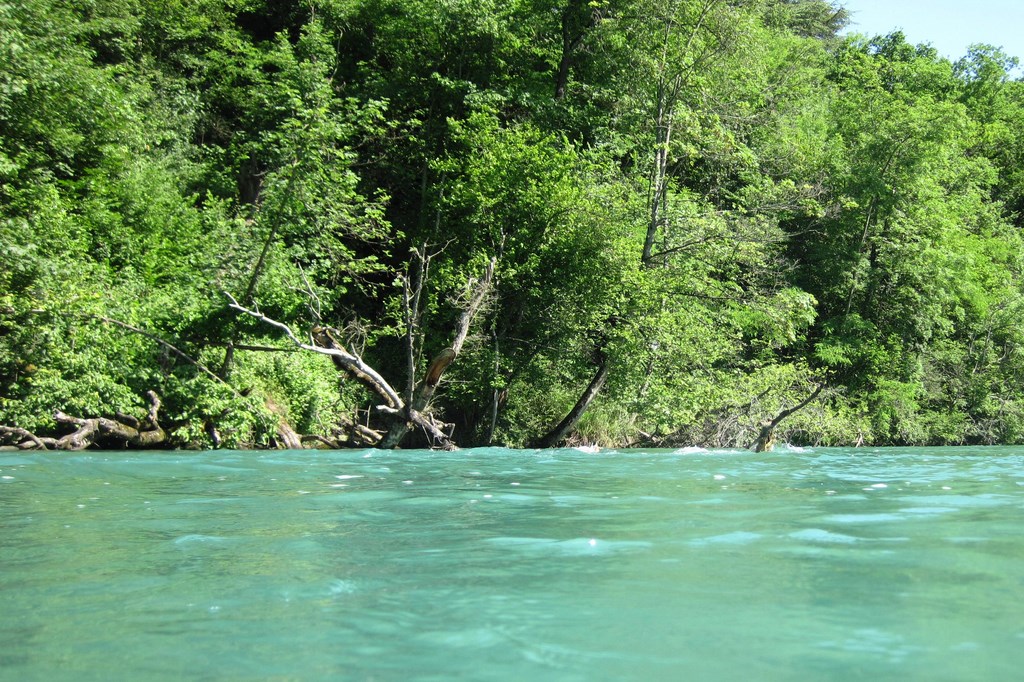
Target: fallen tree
(118, 432)
(557, 435)
(766, 437)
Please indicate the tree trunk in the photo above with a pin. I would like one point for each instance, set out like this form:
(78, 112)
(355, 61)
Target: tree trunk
(565, 427)
(419, 403)
(766, 438)
(659, 174)
(287, 436)
(562, 79)
(401, 415)
(578, 17)
(412, 414)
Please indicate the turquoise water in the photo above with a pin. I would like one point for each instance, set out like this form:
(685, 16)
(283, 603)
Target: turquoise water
(513, 565)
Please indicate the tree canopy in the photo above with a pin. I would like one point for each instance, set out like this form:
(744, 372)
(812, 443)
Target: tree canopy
(440, 222)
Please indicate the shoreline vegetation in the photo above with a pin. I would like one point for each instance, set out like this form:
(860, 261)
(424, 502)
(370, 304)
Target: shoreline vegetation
(443, 223)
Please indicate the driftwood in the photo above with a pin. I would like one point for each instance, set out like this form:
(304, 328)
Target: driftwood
(345, 435)
(287, 436)
(323, 440)
(15, 438)
(122, 431)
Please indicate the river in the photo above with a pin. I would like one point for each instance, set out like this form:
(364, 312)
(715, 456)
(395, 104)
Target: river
(492, 564)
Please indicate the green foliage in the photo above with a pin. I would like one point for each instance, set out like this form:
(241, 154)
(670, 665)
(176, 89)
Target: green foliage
(724, 203)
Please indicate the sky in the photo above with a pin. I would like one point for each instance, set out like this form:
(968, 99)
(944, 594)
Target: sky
(949, 25)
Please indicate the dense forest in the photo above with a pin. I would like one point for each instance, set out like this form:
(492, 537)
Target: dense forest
(252, 223)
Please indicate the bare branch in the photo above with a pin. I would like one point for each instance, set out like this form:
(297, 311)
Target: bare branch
(27, 438)
(411, 323)
(314, 310)
(414, 413)
(352, 364)
(766, 438)
(482, 288)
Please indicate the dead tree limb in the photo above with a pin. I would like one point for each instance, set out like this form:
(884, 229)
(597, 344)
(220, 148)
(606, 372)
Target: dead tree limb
(14, 437)
(355, 367)
(480, 290)
(288, 436)
(312, 437)
(181, 354)
(403, 415)
(349, 362)
(169, 346)
(425, 392)
(766, 438)
(111, 432)
(367, 435)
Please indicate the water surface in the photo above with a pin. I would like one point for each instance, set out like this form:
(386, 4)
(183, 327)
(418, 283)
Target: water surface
(509, 565)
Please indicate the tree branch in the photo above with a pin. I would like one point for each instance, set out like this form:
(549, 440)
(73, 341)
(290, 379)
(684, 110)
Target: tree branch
(114, 431)
(26, 440)
(414, 413)
(181, 354)
(351, 363)
(766, 438)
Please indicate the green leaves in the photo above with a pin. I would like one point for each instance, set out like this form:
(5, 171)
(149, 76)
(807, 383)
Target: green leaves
(725, 202)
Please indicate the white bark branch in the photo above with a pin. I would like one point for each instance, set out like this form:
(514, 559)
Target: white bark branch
(352, 363)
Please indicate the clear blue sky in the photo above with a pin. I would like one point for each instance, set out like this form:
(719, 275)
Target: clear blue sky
(949, 25)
